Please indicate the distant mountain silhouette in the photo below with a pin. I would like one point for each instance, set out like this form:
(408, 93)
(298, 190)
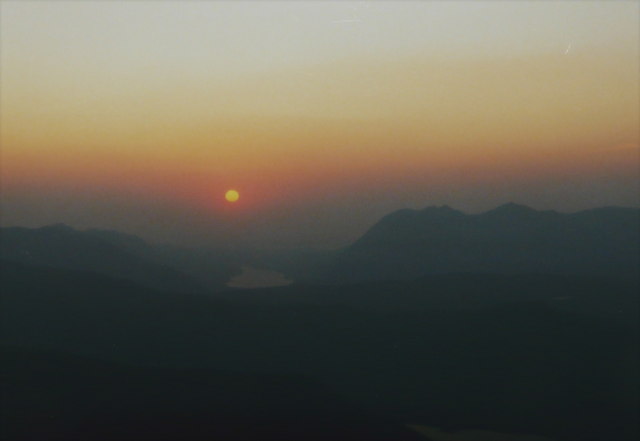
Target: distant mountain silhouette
(61, 246)
(119, 255)
(212, 268)
(510, 239)
(514, 320)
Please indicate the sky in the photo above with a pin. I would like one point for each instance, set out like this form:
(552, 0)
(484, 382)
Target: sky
(324, 116)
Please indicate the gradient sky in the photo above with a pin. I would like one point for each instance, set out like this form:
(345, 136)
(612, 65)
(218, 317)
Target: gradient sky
(139, 115)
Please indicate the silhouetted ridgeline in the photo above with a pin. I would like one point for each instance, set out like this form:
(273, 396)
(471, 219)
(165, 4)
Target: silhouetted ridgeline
(406, 244)
(119, 255)
(513, 321)
(511, 239)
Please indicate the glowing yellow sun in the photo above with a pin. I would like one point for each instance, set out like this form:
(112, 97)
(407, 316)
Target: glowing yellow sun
(232, 196)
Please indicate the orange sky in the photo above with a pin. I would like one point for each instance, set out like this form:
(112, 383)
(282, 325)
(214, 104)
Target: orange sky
(352, 133)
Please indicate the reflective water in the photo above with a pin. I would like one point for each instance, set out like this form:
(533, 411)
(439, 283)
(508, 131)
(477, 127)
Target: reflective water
(258, 278)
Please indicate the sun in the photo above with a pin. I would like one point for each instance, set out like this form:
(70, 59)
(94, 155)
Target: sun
(232, 196)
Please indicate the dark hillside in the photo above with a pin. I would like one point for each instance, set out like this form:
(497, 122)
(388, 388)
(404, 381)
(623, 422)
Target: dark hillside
(453, 352)
(54, 396)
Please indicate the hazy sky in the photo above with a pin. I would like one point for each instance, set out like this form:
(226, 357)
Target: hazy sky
(139, 115)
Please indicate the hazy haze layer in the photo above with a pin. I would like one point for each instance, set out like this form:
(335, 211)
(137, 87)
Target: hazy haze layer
(325, 116)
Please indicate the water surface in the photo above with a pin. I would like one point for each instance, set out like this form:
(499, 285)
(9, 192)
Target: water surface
(258, 278)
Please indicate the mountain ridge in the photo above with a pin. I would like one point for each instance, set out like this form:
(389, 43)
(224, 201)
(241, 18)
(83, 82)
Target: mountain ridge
(511, 238)
(61, 246)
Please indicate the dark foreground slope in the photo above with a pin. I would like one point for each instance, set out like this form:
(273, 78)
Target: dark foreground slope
(511, 239)
(544, 355)
(53, 396)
